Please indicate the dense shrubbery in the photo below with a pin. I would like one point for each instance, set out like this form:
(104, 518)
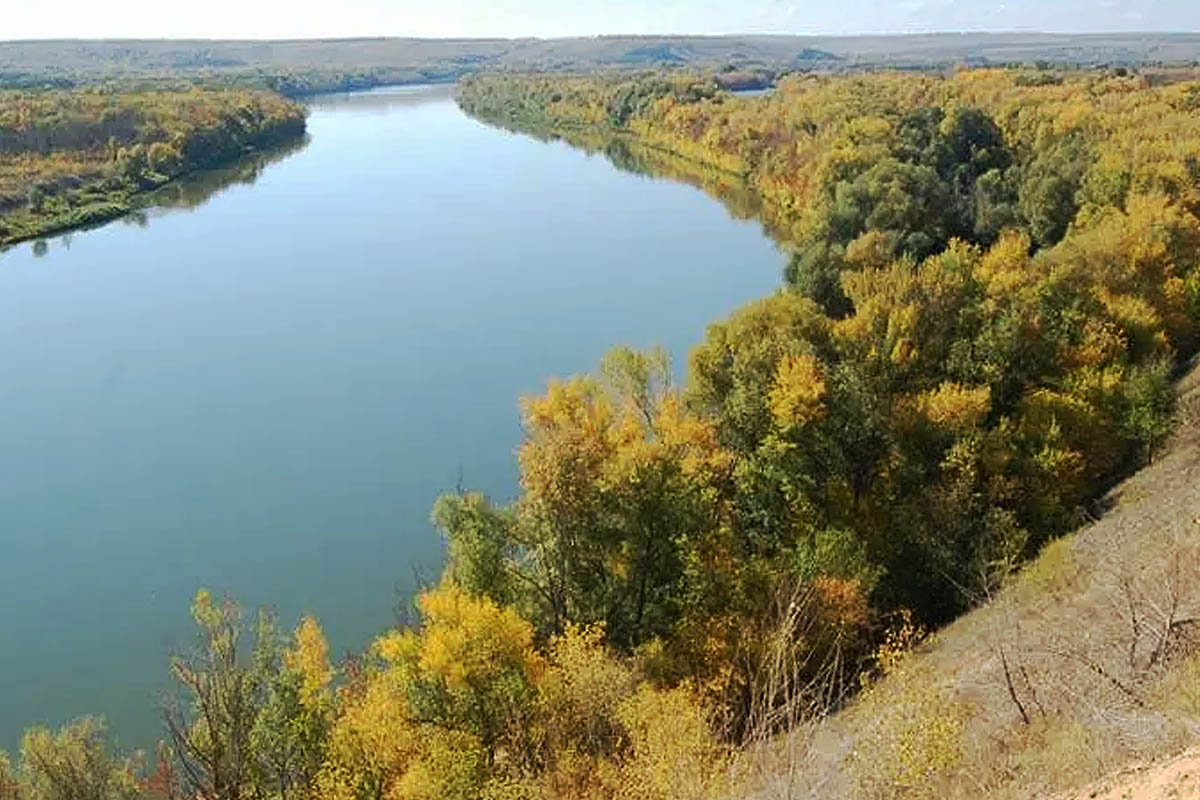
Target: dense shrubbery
(78, 157)
(463, 705)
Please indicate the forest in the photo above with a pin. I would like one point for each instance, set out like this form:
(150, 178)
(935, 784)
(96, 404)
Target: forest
(993, 281)
(76, 157)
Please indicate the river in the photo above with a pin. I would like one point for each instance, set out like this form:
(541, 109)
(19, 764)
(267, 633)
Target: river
(261, 385)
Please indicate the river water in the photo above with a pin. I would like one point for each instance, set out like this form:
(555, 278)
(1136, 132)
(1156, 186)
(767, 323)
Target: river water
(261, 385)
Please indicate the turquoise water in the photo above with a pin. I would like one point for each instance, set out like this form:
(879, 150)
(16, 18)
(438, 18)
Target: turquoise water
(262, 387)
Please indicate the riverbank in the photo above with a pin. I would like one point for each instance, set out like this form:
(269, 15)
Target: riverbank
(72, 159)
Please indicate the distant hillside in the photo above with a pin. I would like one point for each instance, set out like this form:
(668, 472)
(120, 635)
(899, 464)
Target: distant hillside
(298, 65)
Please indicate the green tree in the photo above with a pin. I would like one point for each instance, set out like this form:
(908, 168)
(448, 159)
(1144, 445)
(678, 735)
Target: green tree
(484, 550)
(9, 789)
(292, 726)
(210, 726)
(76, 763)
(1049, 187)
(1149, 407)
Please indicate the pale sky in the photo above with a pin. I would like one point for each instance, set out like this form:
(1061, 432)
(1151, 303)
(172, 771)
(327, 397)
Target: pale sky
(33, 19)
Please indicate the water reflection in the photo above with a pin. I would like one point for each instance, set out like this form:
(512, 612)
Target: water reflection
(195, 190)
(186, 194)
(627, 154)
(383, 98)
(741, 200)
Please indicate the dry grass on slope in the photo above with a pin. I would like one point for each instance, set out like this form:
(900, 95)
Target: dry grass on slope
(1087, 663)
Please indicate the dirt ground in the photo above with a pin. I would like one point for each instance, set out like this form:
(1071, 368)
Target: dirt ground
(1175, 779)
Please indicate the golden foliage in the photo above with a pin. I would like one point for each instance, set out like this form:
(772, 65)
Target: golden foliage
(373, 741)
(798, 396)
(309, 655)
(674, 755)
(955, 407)
(468, 641)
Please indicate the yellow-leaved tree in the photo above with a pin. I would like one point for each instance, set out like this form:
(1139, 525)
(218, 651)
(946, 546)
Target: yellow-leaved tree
(442, 711)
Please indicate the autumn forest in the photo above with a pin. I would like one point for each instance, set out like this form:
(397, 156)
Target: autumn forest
(76, 157)
(993, 279)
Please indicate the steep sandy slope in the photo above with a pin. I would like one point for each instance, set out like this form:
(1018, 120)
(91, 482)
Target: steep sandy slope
(1175, 779)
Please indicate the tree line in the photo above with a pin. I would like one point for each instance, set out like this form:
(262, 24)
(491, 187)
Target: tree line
(70, 158)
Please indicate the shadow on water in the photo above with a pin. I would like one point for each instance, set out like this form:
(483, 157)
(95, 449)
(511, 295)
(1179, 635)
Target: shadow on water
(627, 154)
(193, 191)
(740, 199)
(185, 194)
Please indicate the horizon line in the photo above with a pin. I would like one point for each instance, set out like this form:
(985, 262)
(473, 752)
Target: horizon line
(580, 37)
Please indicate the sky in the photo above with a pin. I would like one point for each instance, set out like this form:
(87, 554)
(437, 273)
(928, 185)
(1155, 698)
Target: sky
(258, 19)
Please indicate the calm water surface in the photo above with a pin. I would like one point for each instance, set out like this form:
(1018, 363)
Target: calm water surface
(263, 388)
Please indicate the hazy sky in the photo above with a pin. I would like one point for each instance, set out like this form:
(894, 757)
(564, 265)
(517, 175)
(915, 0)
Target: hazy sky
(24, 19)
